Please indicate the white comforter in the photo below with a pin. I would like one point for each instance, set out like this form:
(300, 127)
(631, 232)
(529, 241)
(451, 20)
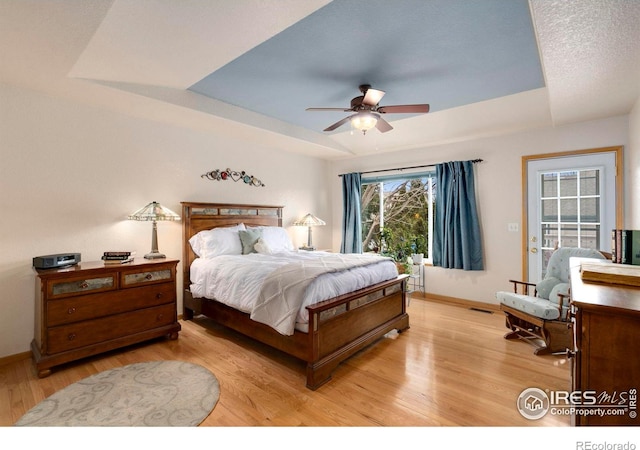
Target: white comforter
(236, 280)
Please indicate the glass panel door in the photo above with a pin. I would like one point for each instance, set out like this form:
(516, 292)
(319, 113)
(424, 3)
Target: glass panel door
(571, 202)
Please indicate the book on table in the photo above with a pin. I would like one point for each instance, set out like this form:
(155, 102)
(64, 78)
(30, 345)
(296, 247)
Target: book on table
(625, 246)
(117, 257)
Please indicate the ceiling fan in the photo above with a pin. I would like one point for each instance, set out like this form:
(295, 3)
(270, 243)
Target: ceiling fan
(368, 111)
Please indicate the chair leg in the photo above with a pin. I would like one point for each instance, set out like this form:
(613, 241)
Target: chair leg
(539, 351)
(558, 337)
(550, 337)
(515, 334)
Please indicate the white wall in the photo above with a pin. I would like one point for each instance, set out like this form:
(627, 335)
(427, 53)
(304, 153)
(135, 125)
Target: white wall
(70, 174)
(632, 170)
(498, 188)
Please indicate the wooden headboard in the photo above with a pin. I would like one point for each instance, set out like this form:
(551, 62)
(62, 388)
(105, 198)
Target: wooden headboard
(197, 217)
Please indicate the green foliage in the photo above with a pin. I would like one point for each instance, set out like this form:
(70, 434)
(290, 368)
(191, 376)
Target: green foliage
(406, 221)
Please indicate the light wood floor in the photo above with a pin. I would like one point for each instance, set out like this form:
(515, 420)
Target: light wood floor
(451, 368)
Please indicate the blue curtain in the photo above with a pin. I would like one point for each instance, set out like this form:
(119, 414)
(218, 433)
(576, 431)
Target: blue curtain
(457, 243)
(351, 217)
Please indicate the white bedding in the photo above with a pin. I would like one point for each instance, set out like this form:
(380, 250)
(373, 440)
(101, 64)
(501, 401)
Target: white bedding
(236, 280)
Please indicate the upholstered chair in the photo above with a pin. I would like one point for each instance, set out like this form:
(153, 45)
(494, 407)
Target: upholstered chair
(541, 318)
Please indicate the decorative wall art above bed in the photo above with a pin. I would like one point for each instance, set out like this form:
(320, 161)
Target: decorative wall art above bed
(233, 175)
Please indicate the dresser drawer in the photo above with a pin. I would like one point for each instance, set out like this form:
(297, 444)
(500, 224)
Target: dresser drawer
(81, 334)
(79, 285)
(74, 309)
(159, 275)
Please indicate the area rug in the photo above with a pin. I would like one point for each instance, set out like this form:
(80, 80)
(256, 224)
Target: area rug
(158, 393)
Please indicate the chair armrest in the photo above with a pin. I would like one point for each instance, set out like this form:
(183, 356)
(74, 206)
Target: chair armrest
(524, 286)
(561, 298)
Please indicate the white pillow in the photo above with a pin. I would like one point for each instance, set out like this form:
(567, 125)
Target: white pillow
(217, 241)
(276, 239)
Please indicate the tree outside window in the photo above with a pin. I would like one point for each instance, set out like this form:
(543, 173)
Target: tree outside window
(397, 216)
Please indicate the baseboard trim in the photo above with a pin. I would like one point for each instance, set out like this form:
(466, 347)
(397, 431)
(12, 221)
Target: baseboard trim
(14, 358)
(468, 304)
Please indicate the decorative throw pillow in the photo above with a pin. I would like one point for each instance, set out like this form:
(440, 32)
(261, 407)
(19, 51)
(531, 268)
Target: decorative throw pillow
(276, 238)
(248, 239)
(262, 247)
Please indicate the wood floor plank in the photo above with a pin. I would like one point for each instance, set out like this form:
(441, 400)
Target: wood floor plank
(451, 368)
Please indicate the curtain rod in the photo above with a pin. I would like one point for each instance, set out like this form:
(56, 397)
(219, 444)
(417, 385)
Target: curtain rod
(407, 168)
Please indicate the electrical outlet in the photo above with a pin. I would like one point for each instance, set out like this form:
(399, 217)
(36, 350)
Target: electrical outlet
(513, 227)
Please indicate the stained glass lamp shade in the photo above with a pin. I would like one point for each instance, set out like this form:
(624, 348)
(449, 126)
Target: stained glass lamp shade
(154, 211)
(309, 221)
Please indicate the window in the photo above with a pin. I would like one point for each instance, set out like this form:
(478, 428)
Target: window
(397, 215)
(570, 210)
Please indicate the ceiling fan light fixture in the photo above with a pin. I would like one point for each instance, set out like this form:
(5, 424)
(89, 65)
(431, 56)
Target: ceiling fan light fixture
(367, 111)
(364, 121)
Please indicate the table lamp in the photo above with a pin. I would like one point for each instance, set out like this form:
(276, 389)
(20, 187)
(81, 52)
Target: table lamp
(154, 211)
(309, 221)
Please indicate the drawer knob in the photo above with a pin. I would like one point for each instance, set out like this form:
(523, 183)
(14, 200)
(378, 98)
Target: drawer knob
(83, 285)
(159, 317)
(148, 276)
(71, 310)
(71, 336)
(159, 295)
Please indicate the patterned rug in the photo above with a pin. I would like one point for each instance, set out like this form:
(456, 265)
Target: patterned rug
(158, 393)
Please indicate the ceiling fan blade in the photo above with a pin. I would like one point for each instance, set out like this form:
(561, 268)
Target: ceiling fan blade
(339, 123)
(372, 97)
(383, 126)
(407, 109)
(328, 109)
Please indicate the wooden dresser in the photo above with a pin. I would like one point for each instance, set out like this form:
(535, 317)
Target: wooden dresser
(92, 307)
(606, 364)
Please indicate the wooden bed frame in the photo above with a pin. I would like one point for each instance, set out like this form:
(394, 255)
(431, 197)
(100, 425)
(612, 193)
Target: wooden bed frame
(338, 327)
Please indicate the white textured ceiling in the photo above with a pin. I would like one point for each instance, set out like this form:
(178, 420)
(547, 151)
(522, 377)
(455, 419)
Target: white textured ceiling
(140, 57)
(591, 55)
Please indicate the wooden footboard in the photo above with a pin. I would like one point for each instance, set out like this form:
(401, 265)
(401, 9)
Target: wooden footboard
(338, 328)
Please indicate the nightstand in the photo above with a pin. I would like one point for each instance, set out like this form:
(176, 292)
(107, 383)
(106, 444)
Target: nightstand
(91, 308)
